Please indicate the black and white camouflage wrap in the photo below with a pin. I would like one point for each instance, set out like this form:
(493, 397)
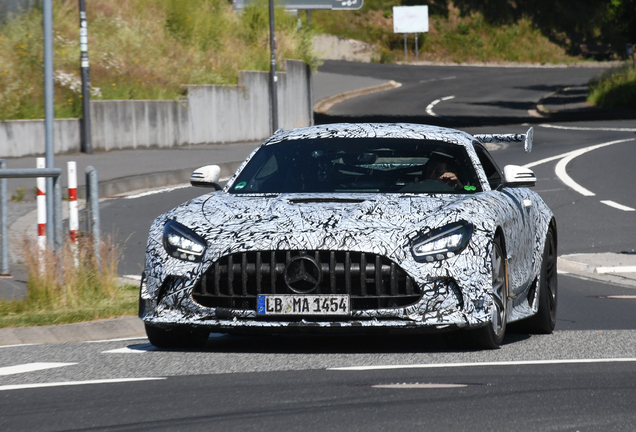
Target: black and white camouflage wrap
(384, 224)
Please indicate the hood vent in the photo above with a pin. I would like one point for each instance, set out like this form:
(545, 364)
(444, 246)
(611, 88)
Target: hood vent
(326, 200)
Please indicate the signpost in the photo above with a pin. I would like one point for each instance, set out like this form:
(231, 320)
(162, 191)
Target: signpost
(273, 77)
(410, 19)
(85, 130)
(292, 5)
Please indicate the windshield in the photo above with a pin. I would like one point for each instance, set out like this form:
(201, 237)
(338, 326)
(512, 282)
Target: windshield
(353, 165)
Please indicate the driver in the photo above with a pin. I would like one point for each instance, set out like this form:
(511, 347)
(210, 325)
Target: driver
(442, 168)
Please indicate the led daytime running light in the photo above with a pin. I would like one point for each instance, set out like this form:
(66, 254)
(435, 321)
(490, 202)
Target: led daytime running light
(182, 243)
(442, 243)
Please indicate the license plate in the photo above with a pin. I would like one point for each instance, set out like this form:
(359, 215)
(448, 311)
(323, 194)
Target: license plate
(291, 304)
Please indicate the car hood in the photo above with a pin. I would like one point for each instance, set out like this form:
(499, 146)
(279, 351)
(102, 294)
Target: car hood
(372, 223)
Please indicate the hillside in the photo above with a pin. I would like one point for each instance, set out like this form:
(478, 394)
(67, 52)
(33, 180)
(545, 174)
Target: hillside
(143, 49)
(451, 37)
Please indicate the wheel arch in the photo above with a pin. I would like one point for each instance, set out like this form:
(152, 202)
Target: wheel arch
(553, 227)
(499, 233)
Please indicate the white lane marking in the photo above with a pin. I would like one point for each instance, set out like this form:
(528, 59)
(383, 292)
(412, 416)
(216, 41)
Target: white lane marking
(621, 297)
(560, 170)
(165, 189)
(116, 340)
(148, 346)
(31, 367)
(617, 269)
(578, 128)
(74, 383)
(561, 173)
(550, 190)
(617, 205)
(418, 386)
(429, 108)
(437, 79)
(133, 277)
(18, 345)
(158, 191)
(503, 363)
(562, 155)
(133, 349)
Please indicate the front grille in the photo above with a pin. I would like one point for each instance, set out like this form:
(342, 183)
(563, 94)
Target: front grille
(372, 281)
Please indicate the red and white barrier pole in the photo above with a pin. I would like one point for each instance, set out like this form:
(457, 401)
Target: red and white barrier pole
(41, 203)
(73, 218)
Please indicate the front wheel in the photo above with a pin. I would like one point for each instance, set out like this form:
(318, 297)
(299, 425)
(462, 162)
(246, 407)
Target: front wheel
(545, 319)
(491, 336)
(177, 337)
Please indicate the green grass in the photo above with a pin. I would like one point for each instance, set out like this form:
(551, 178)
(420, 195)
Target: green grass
(452, 38)
(142, 49)
(19, 314)
(70, 286)
(615, 88)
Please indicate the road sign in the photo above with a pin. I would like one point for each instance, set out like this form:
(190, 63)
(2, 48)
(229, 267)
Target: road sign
(410, 19)
(310, 4)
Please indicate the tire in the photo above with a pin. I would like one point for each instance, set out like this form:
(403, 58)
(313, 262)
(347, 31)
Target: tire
(177, 337)
(545, 319)
(491, 336)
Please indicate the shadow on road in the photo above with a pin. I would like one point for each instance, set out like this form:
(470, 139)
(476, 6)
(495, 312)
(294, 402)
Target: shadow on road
(332, 344)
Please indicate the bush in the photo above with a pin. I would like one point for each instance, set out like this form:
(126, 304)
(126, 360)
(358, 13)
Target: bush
(614, 88)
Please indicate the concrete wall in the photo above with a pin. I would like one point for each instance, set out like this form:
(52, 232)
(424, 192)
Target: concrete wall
(209, 114)
(126, 124)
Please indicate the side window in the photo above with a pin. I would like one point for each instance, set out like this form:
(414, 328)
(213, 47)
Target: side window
(493, 173)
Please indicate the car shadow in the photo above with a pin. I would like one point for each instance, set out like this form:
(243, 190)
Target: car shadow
(332, 344)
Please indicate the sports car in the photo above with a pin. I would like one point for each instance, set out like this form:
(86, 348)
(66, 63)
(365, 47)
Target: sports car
(356, 228)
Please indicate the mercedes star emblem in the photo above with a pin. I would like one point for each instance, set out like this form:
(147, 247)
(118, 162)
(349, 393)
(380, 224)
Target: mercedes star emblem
(303, 274)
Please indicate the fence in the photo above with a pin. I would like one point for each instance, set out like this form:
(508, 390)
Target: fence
(92, 192)
(208, 114)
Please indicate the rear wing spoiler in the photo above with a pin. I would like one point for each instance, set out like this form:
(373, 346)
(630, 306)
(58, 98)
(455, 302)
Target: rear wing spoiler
(525, 138)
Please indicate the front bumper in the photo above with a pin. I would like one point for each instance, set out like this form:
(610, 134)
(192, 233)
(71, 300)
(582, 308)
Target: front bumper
(442, 306)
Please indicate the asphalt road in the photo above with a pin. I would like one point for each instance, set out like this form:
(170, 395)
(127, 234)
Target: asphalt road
(581, 378)
(478, 95)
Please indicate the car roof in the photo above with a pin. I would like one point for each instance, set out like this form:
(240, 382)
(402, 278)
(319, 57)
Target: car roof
(373, 130)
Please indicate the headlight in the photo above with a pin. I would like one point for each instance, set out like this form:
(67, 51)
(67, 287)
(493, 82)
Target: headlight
(442, 243)
(183, 243)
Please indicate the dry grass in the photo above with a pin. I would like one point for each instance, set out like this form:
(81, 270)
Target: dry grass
(70, 286)
(142, 49)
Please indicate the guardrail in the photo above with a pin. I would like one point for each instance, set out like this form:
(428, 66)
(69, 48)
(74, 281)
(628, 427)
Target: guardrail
(55, 241)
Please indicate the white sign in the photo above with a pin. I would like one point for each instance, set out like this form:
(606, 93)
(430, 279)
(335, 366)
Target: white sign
(410, 19)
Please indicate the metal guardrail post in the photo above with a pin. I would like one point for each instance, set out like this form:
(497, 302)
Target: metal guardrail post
(58, 227)
(4, 230)
(28, 173)
(92, 198)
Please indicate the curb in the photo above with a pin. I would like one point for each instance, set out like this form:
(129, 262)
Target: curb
(324, 105)
(580, 265)
(588, 113)
(127, 327)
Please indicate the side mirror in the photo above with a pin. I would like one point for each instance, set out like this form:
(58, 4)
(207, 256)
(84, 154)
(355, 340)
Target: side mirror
(207, 176)
(517, 176)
